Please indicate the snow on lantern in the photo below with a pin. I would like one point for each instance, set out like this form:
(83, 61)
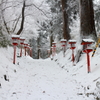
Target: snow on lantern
(87, 50)
(63, 44)
(54, 44)
(22, 39)
(15, 41)
(72, 44)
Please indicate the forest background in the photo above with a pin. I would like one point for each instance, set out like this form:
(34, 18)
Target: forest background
(45, 21)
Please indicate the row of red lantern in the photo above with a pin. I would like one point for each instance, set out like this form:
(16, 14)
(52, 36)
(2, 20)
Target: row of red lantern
(72, 43)
(17, 40)
(63, 44)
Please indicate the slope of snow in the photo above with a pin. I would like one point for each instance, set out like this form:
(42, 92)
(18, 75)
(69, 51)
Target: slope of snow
(57, 79)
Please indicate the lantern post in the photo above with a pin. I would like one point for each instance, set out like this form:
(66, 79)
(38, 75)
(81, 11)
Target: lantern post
(15, 39)
(22, 39)
(87, 50)
(63, 44)
(25, 47)
(72, 44)
(29, 49)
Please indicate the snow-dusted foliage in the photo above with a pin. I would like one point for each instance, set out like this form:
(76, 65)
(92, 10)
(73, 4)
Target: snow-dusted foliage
(97, 15)
(11, 13)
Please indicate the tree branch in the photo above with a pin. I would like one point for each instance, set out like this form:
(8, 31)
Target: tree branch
(5, 25)
(16, 23)
(23, 18)
(38, 9)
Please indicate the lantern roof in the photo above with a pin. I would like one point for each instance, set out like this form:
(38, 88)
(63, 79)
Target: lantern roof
(87, 40)
(72, 41)
(15, 36)
(53, 42)
(63, 40)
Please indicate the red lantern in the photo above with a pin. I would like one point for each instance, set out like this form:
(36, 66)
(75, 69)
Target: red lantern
(15, 39)
(22, 39)
(63, 44)
(53, 44)
(72, 43)
(53, 48)
(87, 50)
(25, 47)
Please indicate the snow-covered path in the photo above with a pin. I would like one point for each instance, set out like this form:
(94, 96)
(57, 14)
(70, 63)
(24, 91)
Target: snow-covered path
(31, 79)
(42, 80)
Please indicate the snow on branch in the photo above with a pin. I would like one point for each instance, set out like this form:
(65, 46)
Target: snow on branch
(38, 9)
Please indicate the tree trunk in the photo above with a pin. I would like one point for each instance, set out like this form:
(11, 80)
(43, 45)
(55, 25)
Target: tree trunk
(23, 18)
(66, 34)
(51, 40)
(87, 23)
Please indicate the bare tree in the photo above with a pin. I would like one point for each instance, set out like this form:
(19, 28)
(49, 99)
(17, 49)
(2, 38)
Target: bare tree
(23, 18)
(66, 33)
(18, 21)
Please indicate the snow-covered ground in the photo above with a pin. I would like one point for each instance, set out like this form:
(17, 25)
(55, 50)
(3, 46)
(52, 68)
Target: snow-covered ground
(57, 79)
